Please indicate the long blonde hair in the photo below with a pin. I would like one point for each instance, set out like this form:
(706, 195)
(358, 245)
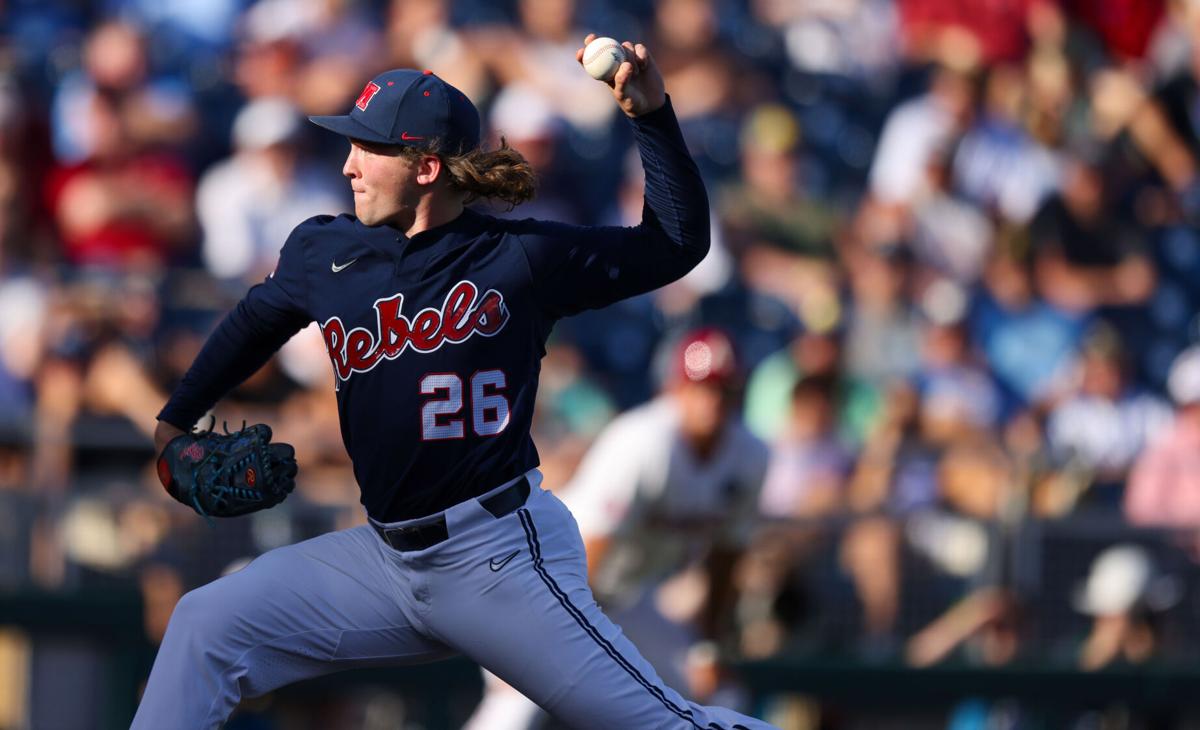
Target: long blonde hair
(499, 174)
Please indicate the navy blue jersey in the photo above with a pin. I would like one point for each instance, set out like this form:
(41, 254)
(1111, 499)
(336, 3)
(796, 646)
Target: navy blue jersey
(436, 339)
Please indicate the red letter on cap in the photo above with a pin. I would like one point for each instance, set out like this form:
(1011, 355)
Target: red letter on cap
(367, 94)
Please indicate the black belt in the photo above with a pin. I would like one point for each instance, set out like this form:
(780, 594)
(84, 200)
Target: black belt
(428, 534)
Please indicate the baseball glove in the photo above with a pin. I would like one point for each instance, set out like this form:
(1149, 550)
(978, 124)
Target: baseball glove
(230, 474)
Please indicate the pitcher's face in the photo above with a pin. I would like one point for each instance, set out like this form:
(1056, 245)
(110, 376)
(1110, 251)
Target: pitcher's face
(383, 181)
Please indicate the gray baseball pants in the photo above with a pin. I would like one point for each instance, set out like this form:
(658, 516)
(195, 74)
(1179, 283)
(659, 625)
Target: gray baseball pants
(346, 599)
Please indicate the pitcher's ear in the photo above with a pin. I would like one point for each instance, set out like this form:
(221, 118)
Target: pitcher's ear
(429, 169)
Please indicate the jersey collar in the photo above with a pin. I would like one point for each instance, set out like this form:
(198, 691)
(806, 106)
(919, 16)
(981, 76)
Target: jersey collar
(392, 242)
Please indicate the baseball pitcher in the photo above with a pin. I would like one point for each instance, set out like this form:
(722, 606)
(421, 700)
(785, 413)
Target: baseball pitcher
(435, 318)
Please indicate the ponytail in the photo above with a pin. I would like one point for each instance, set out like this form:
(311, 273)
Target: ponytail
(499, 174)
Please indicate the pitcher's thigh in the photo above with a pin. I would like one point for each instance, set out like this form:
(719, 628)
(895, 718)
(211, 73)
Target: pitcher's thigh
(537, 627)
(296, 612)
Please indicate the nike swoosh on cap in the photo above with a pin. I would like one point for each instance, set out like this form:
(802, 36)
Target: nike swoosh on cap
(335, 267)
(408, 137)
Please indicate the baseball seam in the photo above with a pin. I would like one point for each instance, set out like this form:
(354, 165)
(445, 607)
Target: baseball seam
(596, 53)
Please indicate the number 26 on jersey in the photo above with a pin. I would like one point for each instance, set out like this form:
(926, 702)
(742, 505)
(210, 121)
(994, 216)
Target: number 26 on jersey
(442, 416)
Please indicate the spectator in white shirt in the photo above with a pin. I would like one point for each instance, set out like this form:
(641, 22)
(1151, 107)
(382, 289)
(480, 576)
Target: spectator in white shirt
(665, 498)
(250, 202)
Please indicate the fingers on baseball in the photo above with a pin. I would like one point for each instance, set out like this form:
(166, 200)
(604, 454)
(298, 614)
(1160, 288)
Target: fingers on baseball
(631, 55)
(637, 54)
(642, 54)
(586, 40)
(624, 73)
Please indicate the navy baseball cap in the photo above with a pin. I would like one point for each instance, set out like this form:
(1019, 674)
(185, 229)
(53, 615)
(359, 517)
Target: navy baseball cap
(409, 107)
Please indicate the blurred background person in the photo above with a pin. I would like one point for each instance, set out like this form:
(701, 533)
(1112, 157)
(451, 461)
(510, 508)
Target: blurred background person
(768, 203)
(156, 108)
(538, 51)
(1126, 594)
(420, 34)
(125, 205)
(804, 485)
(915, 131)
(664, 499)
(1103, 421)
(248, 203)
(1027, 342)
(1085, 257)
(1164, 484)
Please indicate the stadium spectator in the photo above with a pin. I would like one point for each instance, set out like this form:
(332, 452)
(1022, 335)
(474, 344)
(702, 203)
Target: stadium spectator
(1164, 485)
(248, 203)
(895, 476)
(1180, 91)
(915, 131)
(805, 484)
(1028, 344)
(694, 62)
(528, 121)
(125, 206)
(950, 235)
(420, 35)
(768, 204)
(957, 391)
(539, 52)
(855, 39)
(1086, 257)
(999, 164)
(883, 323)
(1126, 594)
(1105, 421)
(975, 30)
(771, 383)
(154, 108)
(809, 464)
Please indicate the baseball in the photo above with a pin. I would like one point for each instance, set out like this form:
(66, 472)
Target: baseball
(602, 57)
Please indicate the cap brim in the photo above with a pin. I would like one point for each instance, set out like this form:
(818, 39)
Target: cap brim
(346, 126)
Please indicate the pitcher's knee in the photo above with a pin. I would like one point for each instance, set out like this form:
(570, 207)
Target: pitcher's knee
(202, 617)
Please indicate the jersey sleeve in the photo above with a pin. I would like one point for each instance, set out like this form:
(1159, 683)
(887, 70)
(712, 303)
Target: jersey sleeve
(266, 318)
(586, 267)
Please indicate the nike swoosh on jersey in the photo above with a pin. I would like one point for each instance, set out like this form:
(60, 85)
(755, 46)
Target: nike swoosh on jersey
(334, 267)
(496, 565)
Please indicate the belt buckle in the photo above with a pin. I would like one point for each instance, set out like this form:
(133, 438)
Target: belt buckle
(401, 538)
(416, 537)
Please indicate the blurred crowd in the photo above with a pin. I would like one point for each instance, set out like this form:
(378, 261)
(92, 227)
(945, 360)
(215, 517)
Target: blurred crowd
(955, 254)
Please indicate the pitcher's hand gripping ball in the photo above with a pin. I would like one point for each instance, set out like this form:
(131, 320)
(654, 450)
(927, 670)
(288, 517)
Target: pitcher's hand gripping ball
(602, 57)
(230, 474)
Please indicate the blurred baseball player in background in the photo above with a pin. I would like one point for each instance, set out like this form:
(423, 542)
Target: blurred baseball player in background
(665, 500)
(435, 318)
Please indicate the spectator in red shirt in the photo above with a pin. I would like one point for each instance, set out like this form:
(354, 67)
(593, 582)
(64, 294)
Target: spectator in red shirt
(970, 30)
(124, 207)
